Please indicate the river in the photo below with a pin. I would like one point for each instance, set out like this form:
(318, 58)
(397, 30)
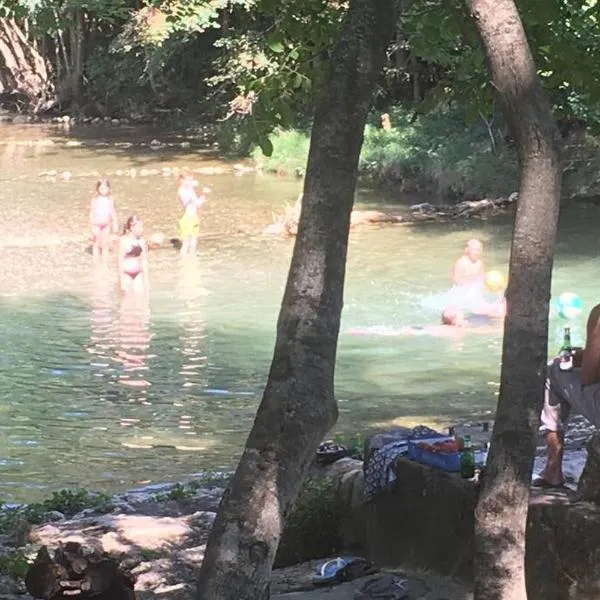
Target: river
(93, 395)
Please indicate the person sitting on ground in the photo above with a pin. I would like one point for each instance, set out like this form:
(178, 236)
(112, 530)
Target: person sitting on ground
(578, 390)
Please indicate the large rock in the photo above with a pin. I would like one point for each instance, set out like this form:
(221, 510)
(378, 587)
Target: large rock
(588, 487)
(324, 518)
(426, 520)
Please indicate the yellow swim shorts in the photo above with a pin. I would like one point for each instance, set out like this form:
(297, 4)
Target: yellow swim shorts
(189, 226)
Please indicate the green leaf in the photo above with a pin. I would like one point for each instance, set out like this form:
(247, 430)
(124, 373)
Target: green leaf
(276, 47)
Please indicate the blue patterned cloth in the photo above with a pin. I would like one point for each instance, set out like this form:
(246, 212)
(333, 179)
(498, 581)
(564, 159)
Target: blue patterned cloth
(379, 474)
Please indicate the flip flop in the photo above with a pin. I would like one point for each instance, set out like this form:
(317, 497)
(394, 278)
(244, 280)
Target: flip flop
(540, 482)
(342, 569)
(386, 587)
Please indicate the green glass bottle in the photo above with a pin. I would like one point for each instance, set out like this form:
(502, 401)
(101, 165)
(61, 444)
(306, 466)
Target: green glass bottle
(566, 352)
(467, 459)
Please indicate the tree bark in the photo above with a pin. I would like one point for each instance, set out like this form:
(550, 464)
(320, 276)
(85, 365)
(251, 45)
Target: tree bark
(23, 69)
(298, 405)
(500, 518)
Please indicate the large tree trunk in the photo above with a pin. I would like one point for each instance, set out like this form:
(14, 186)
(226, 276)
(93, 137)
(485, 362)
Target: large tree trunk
(298, 405)
(501, 512)
(23, 71)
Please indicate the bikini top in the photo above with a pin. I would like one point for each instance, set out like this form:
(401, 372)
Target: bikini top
(135, 251)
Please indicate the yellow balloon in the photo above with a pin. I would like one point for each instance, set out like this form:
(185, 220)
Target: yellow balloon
(495, 281)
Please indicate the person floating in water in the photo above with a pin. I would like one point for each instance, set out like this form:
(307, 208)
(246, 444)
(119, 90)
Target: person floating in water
(133, 257)
(189, 224)
(454, 323)
(103, 218)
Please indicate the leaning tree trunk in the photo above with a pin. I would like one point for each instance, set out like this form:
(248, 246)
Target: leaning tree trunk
(23, 70)
(298, 405)
(501, 513)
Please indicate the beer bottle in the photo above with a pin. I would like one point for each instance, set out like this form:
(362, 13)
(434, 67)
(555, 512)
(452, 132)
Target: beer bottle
(467, 459)
(566, 352)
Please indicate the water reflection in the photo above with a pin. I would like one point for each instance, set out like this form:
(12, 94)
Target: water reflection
(102, 319)
(120, 336)
(133, 343)
(190, 292)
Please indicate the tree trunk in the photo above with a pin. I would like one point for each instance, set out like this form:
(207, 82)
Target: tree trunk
(298, 405)
(77, 35)
(501, 512)
(23, 70)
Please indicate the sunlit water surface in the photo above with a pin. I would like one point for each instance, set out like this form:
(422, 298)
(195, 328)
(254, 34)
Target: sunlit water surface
(109, 394)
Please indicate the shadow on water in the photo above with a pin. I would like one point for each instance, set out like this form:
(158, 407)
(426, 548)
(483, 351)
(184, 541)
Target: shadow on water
(93, 395)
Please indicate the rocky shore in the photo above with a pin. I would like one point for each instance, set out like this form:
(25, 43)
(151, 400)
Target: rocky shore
(159, 533)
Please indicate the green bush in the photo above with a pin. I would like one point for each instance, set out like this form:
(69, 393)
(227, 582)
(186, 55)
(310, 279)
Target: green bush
(67, 502)
(290, 151)
(441, 154)
(14, 564)
(312, 526)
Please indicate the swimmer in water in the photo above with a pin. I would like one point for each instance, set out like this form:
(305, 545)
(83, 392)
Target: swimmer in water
(454, 323)
(133, 257)
(103, 218)
(469, 270)
(189, 224)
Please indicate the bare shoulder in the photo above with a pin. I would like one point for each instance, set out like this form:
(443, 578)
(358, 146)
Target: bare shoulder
(594, 318)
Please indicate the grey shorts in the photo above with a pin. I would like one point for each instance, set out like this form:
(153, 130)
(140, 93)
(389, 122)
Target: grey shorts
(565, 394)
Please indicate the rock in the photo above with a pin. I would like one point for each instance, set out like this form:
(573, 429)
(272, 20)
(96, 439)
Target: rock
(423, 207)
(77, 571)
(427, 521)
(588, 487)
(115, 122)
(20, 119)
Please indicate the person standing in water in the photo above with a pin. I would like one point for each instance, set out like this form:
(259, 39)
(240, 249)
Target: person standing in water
(469, 270)
(133, 257)
(103, 218)
(189, 224)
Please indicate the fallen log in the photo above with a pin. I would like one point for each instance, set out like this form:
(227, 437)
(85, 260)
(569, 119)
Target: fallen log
(78, 573)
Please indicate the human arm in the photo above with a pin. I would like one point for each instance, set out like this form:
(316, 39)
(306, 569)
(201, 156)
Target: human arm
(121, 266)
(92, 211)
(590, 360)
(145, 265)
(113, 216)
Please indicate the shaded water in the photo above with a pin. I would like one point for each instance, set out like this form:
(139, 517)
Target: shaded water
(105, 394)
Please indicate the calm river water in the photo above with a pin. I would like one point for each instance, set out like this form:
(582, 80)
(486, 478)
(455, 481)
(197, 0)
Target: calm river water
(95, 394)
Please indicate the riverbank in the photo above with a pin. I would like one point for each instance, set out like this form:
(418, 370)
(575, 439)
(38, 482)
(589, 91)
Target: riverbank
(159, 532)
(440, 156)
(159, 535)
(443, 156)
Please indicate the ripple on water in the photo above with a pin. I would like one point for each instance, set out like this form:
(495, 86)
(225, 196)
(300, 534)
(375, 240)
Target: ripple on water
(99, 392)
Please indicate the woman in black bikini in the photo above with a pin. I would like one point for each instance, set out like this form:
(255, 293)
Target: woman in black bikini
(133, 257)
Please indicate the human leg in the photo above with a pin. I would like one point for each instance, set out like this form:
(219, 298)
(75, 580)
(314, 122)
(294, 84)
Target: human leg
(564, 394)
(104, 241)
(193, 244)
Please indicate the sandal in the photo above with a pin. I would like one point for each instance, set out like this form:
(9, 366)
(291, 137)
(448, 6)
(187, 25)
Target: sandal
(342, 569)
(386, 587)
